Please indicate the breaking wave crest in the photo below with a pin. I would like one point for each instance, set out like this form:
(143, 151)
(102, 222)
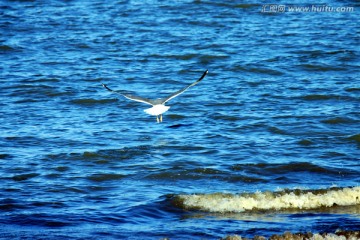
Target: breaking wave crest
(281, 200)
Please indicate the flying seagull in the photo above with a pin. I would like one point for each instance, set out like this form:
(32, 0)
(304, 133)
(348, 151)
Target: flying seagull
(158, 105)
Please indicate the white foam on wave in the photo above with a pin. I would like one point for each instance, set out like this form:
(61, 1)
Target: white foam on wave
(286, 199)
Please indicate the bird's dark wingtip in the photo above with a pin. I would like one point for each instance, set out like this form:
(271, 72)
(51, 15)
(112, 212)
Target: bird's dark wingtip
(204, 74)
(106, 87)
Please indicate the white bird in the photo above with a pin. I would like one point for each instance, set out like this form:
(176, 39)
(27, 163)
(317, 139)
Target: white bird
(158, 105)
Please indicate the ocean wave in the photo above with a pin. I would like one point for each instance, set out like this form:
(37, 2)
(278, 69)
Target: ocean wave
(23, 177)
(319, 97)
(6, 48)
(266, 169)
(101, 156)
(101, 177)
(339, 120)
(352, 89)
(321, 67)
(280, 200)
(338, 235)
(355, 138)
(91, 101)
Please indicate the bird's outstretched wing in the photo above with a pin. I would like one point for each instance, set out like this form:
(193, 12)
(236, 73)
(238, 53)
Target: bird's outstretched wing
(164, 100)
(131, 97)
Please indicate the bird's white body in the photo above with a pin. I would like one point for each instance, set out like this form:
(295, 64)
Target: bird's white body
(157, 110)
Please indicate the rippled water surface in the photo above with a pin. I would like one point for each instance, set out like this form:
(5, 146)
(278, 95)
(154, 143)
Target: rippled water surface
(278, 111)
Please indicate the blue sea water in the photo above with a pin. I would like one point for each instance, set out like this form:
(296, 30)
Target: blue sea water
(278, 110)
